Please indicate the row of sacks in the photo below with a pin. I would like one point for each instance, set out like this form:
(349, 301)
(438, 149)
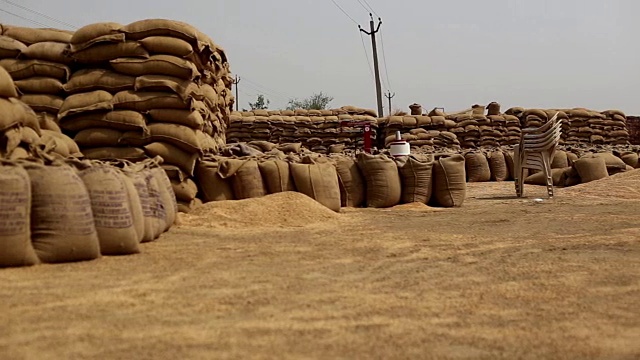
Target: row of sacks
(498, 165)
(319, 133)
(66, 211)
(336, 181)
(579, 125)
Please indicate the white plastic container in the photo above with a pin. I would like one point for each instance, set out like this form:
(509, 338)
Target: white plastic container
(399, 147)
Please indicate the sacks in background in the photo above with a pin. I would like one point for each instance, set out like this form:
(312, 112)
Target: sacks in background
(417, 181)
(353, 191)
(62, 225)
(15, 217)
(591, 168)
(450, 186)
(477, 167)
(384, 187)
(245, 178)
(318, 181)
(277, 175)
(498, 166)
(167, 194)
(212, 185)
(7, 87)
(559, 177)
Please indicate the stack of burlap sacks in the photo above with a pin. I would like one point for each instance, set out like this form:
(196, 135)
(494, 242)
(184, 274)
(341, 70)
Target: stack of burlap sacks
(633, 125)
(318, 130)
(151, 88)
(67, 211)
(580, 126)
(36, 60)
(495, 129)
(430, 131)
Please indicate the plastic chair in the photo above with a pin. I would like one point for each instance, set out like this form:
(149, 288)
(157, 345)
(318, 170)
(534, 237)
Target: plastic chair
(535, 152)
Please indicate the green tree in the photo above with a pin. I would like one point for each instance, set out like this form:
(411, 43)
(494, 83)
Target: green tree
(260, 104)
(318, 101)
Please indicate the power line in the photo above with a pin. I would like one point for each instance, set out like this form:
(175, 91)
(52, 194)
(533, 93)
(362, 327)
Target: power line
(23, 18)
(384, 58)
(370, 8)
(267, 89)
(344, 12)
(366, 55)
(40, 14)
(364, 7)
(264, 92)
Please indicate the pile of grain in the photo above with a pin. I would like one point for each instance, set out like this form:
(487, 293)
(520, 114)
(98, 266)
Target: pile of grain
(622, 186)
(285, 209)
(318, 130)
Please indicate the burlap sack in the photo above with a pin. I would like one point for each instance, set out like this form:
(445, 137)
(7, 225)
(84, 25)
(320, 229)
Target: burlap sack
(591, 168)
(630, 158)
(180, 136)
(614, 164)
(7, 86)
(571, 157)
(185, 191)
(162, 27)
(212, 186)
(186, 208)
(62, 224)
(10, 48)
(558, 176)
(40, 85)
(135, 203)
(245, 176)
(123, 120)
(98, 137)
(318, 181)
(114, 153)
(15, 217)
(43, 102)
(498, 166)
(477, 167)
(88, 80)
(384, 186)
(276, 175)
(353, 190)
(167, 195)
(192, 119)
(173, 155)
(31, 35)
(167, 45)
(185, 89)
(98, 100)
(102, 32)
(24, 69)
(47, 121)
(64, 145)
(146, 101)
(49, 51)
(153, 211)
(111, 207)
(14, 113)
(107, 51)
(449, 186)
(560, 160)
(157, 65)
(416, 174)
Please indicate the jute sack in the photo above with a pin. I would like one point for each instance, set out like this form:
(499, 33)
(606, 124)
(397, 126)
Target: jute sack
(162, 27)
(49, 51)
(88, 80)
(185, 89)
(180, 136)
(111, 207)
(508, 158)
(185, 191)
(560, 160)
(614, 164)
(98, 137)
(384, 187)
(167, 195)
(104, 52)
(24, 69)
(449, 186)
(187, 207)
(40, 85)
(10, 48)
(7, 86)
(115, 153)
(135, 203)
(245, 176)
(353, 190)
(477, 167)
(591, 168)
(192, 119)
(571, 157)
(630, 158)
(43, 102)
(146, 101)
(102, 32)
(173, 155)
(277, 175)
(148, 192)
(498, 166)
(123, 120)
(64, 145)
(98, 100)
(31, 35)
(416, 174)
(167, 45)
(212, 186)
(15, 217)
(157, 65)
(62, 225)
(14, 112)
(558, 177)
(318, 181)
(47, 121)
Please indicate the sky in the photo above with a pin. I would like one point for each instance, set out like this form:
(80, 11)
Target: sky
(450, 54)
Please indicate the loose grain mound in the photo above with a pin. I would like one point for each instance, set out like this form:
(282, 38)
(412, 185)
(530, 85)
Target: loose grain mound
(622, 186)
(286, 209)
(414, 206)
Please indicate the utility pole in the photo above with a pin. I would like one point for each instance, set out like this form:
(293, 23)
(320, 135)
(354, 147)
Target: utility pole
(373, 33)
(390, 96)
(235, 82)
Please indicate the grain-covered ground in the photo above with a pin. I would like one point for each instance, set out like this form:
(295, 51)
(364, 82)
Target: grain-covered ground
(500, 278)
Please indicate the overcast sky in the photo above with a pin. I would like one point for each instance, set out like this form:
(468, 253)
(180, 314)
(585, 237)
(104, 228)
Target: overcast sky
(451, 54)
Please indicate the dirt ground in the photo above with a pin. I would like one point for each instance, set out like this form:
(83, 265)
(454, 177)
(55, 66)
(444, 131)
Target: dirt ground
(499, 278)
